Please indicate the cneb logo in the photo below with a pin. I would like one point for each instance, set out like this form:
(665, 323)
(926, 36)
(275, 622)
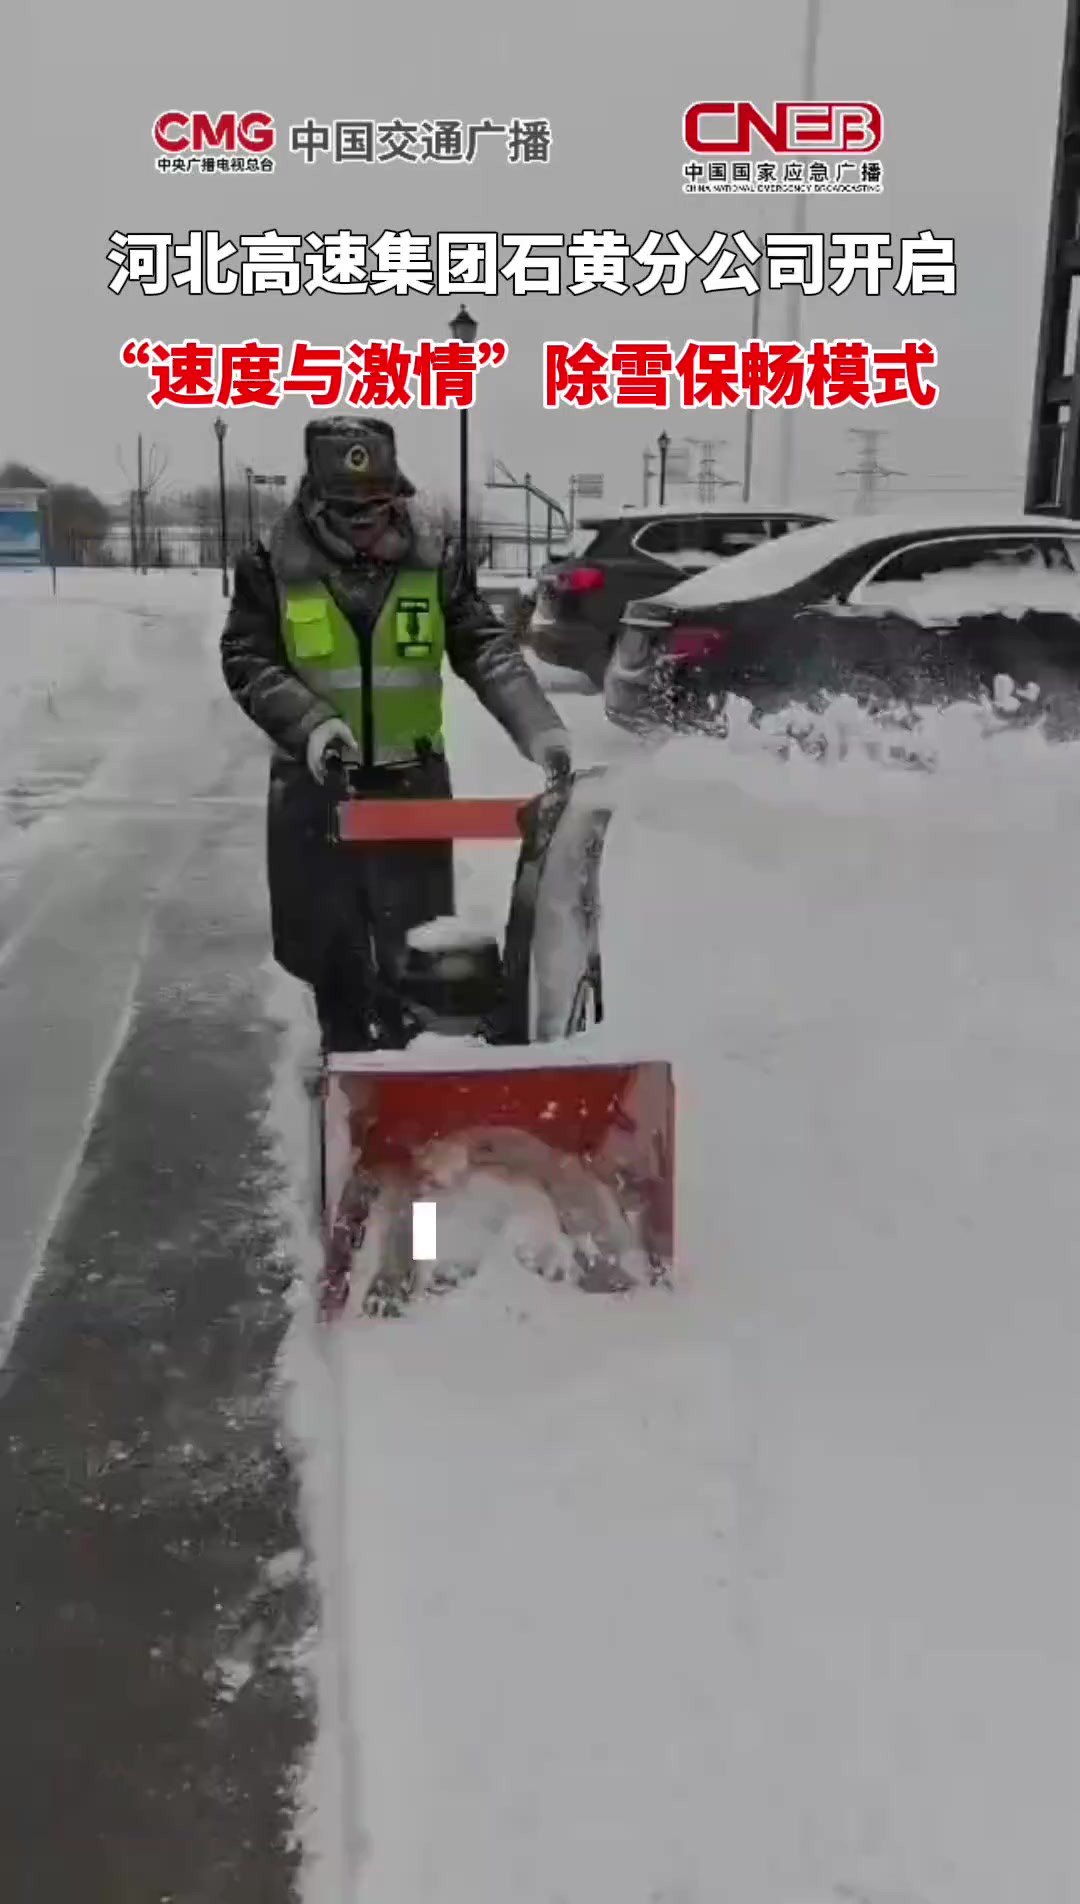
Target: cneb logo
(799, 128)
(199, 132)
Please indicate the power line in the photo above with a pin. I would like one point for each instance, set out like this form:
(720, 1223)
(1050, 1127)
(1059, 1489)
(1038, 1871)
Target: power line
(953, 489)
(869, 471)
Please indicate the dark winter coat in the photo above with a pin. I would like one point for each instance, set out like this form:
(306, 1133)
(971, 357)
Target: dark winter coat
(312, 890)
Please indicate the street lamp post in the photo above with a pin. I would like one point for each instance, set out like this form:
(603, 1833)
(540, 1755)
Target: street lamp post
(663, 444)
(220, 427)
(464, 328)
(250, 475)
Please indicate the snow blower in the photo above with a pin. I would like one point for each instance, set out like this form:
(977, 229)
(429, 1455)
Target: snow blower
(467, 1139)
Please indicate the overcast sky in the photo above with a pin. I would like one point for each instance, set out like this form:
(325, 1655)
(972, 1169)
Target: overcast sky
(968, 89)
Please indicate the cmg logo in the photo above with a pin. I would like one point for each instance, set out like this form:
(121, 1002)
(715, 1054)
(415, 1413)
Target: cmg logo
(200, 132)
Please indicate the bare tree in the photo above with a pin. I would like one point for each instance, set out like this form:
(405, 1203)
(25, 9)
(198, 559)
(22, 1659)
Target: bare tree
(149, 472)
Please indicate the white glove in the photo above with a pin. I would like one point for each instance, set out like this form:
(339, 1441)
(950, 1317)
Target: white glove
(551, 751)
(329, 735)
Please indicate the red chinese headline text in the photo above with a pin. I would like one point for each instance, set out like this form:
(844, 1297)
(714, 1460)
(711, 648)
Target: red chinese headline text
(718, 376)
(377, 375)
(439, 376)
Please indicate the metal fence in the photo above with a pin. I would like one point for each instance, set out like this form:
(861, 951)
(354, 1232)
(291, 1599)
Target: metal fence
(499, 546)
(508, 549)
(177, 546)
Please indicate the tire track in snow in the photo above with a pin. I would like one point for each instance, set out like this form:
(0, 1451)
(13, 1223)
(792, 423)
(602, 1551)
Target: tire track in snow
(74, 931)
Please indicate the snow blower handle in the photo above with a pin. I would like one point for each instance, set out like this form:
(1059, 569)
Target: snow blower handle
(360, 817)
(340, 772)
(551, 753)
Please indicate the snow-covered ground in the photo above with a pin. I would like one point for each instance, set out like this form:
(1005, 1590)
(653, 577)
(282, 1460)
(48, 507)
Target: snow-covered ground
(764, 1590)
(112, 718)
(94, 681)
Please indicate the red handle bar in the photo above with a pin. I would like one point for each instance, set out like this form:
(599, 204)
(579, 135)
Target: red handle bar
(368, 822)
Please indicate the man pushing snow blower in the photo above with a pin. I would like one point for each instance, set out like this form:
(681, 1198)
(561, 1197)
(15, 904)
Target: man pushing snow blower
(334, 646)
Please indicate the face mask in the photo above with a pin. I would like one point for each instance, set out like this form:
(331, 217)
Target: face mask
(381, 530)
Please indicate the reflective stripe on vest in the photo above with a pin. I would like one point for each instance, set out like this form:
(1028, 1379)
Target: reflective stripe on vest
(402, 714)
(380, 677)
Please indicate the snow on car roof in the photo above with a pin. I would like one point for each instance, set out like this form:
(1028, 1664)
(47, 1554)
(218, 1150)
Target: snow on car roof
(795, 557)
(631, 511)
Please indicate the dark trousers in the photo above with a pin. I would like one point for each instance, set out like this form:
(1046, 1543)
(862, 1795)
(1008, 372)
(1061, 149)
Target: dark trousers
(341, 914)
(357, 989)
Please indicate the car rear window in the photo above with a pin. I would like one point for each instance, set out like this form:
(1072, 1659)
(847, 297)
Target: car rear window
(712, 537)
(948, 555)
(572, 547)
(608, 538)
(715, 536)
(783, 525)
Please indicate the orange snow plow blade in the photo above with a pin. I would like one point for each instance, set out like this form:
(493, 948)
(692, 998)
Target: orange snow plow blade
(593, 1143)
(518, 1149)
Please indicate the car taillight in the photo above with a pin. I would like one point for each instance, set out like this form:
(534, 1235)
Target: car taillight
(690, 643)
(577, 581)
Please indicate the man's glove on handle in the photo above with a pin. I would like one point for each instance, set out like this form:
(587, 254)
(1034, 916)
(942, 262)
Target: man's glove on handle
(551, 751)
(329, 741)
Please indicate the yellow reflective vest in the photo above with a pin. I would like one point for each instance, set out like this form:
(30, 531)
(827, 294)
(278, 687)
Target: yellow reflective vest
(388, 689)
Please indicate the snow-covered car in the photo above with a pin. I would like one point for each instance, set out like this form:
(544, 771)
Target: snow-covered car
(884, 608)
(624, 555)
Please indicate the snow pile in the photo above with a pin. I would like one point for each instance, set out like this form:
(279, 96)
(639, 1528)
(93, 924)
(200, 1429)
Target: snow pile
(448, 935)
(945, 739)
(970, 745)
(766, 1587)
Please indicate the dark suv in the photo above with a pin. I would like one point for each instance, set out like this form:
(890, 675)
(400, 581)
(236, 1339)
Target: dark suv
(639, 552)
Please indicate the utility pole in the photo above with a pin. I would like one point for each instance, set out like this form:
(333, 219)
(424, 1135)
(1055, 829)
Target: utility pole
(148, 475)
(1053, 472)
(463, 328)
(748, 441)
(50, 524)
(530, 490)
(811, 36)
(142, 511)
(869, 471)
(708, 477)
